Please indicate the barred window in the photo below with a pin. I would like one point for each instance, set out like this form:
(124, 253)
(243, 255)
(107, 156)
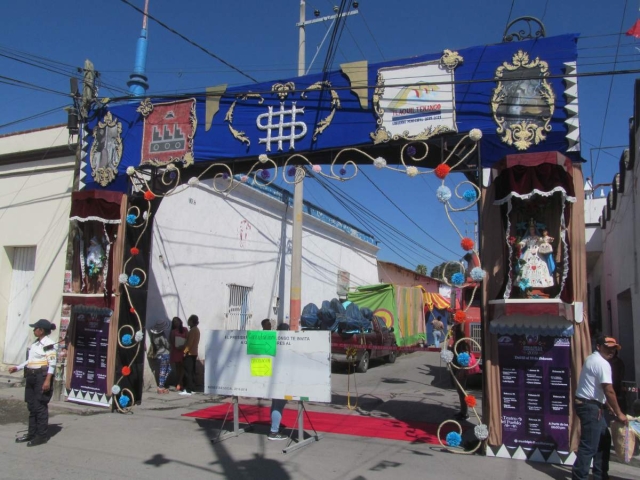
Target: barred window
(239, 312)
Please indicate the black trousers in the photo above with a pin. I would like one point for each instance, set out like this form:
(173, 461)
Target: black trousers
(37, 402)
(189, 372)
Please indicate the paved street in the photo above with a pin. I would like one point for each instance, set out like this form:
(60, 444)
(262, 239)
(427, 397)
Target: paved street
(156, 442)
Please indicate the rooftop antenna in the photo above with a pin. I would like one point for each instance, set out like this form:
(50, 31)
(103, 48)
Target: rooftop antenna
(137, 83)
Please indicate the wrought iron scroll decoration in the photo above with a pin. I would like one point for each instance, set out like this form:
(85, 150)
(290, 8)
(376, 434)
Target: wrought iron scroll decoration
(529, 34)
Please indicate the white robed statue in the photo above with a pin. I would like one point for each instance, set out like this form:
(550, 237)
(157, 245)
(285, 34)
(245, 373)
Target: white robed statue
(535, 265)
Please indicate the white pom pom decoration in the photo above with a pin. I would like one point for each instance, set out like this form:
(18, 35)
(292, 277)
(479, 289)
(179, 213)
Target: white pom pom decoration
(379, 163)
(475, 134)
(123, 278)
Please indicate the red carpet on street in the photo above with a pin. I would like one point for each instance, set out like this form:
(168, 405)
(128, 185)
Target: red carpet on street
(352, 424)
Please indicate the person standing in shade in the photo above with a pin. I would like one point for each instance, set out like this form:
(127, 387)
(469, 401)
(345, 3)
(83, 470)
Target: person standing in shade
(438, 331)
(191, 355)
(161, 351)
(266, 324)
(594, 390)
(39, 369)
(178, 340)
(277, 404)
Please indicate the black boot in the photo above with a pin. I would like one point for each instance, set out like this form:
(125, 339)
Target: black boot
(37, 440)
(24, 438)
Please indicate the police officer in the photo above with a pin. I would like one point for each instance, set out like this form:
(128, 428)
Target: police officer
(39, 369)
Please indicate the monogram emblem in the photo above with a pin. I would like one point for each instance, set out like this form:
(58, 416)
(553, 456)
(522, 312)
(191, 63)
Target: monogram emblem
(286, 128)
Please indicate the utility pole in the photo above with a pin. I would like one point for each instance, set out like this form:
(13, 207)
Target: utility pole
(295, 300)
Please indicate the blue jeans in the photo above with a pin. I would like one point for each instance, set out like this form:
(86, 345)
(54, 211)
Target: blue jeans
(277, 406)
(595, 443)
(437, 336)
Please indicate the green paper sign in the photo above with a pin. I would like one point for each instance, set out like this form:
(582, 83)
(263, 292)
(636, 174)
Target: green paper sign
(261, 342)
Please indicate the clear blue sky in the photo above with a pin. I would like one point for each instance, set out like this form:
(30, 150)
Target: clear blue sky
(261, 39)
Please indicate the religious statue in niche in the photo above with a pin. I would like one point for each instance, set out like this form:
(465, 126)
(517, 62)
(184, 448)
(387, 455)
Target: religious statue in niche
(535, 265)
(95, 263)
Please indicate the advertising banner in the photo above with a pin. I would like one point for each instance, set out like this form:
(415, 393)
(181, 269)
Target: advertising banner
(90, 340)
(535, 383)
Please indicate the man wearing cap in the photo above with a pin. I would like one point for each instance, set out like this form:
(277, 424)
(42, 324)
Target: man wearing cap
(594, 390)
(39, 369)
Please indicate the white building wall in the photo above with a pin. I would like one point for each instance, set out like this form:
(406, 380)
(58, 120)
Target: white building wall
(35, 198)
(204, 241)
(620, 277)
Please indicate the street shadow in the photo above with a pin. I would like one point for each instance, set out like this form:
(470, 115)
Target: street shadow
(557, 472)
(413, 413)
(54, 429)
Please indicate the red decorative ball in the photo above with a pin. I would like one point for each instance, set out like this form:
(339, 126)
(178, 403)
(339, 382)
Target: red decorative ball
(471, 401)
(132, 310)
(459, 316)
(149, 195)
(126, 371)
(467, 244)
(134, 251)
(442, 171)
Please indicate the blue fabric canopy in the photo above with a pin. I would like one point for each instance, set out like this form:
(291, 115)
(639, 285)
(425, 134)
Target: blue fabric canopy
(241, 125)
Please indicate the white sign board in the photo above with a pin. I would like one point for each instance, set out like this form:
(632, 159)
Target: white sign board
(296, 367)
(423, 107)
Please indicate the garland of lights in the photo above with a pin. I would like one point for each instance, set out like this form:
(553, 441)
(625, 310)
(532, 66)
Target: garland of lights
(130, 337)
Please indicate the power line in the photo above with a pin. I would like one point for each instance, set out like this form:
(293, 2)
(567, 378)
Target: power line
(606, 111)
(21, 83)
(211, 54)
(407, 216)
(351, 201)
(37, 115)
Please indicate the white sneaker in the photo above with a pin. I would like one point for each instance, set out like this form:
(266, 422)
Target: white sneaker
(185, 394)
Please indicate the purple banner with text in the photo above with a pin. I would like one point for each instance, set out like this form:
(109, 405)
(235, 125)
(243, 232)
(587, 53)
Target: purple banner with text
(90, 341)
(535, 383)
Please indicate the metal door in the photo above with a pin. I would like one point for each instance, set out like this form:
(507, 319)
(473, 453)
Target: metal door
(18, 335)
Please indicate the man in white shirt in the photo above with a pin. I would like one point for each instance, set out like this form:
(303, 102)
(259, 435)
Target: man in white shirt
(39, 369)
(594, 390)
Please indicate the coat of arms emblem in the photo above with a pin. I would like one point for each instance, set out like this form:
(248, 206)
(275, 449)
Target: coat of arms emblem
(168, 132)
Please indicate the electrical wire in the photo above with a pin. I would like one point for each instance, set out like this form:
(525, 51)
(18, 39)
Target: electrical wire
(349, 203)
(606, 111)
(21, 83)
(405, 215)
(32, 117)
(188, 40)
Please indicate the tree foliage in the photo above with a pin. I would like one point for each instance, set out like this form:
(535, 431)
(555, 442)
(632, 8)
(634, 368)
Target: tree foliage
(449, 270)
(421, 269)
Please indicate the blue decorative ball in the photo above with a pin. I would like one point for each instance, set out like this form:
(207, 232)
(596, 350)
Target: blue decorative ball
(453, 439)
(463, 359)
(131, 219)
(443, 193)
(265, 174)
(457, 279)
(225, 176)
(343, 171)
(291, 171)
(470, 195)
(134, 280)
(126, 339)
(477, 274)
(411, 150)
(124, 401)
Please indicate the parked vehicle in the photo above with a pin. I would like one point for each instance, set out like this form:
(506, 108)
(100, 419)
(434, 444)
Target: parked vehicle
(369, 345)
